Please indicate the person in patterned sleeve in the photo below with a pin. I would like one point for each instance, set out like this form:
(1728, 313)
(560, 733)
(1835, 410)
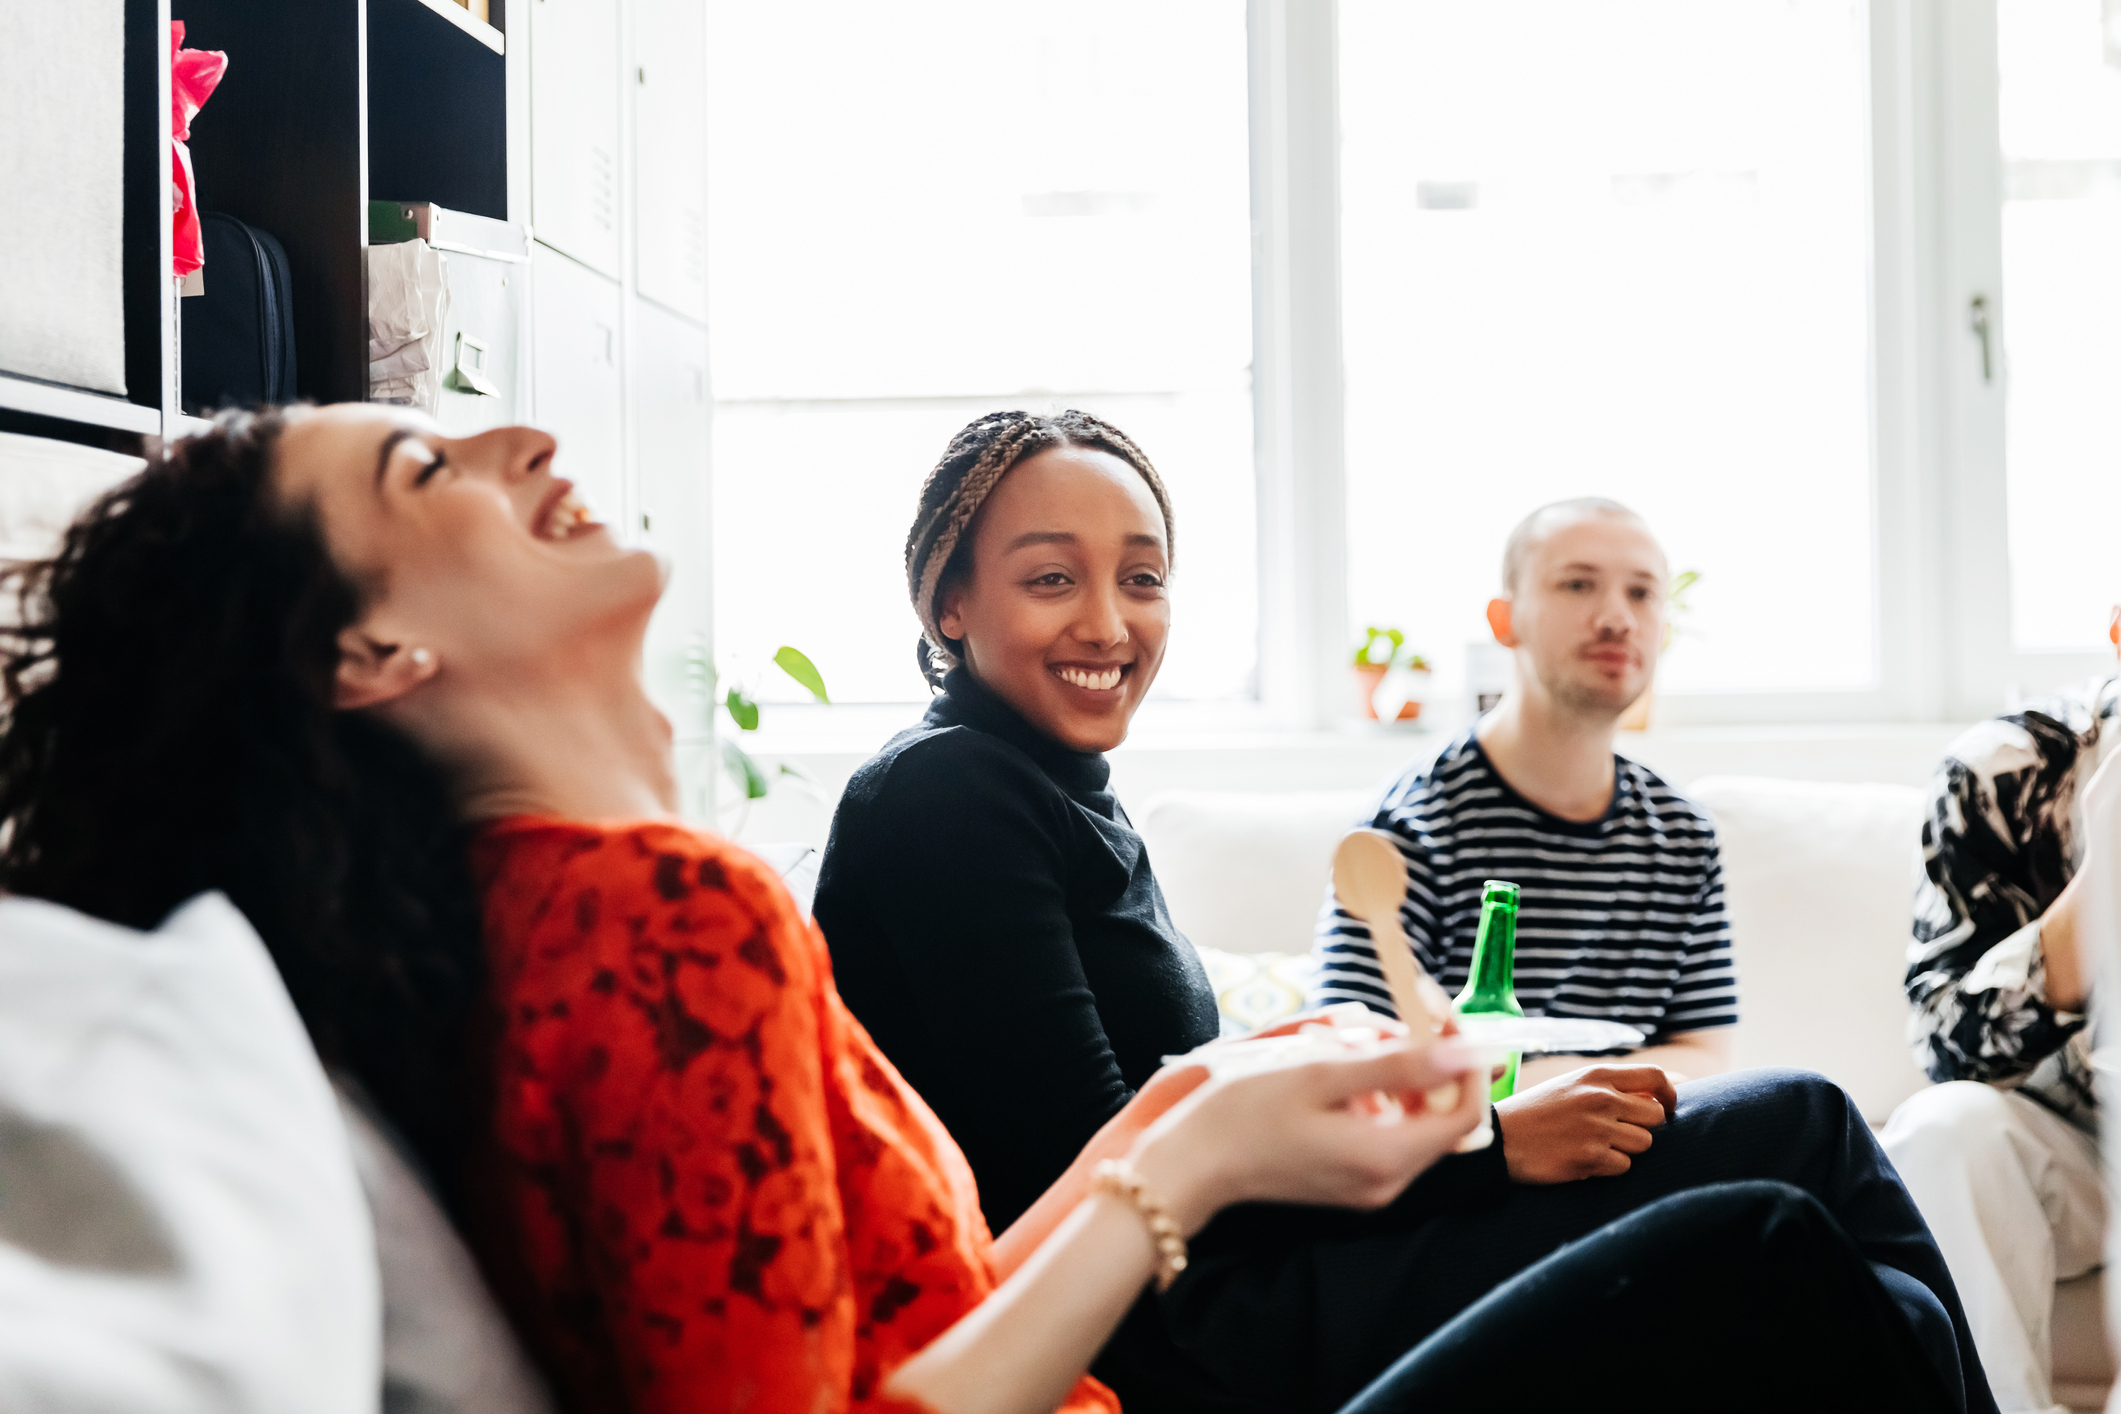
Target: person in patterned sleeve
(2002, 1155)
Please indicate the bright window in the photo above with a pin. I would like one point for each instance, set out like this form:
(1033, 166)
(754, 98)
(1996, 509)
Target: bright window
(2060, 112)
(1619, 248)
(921, 213)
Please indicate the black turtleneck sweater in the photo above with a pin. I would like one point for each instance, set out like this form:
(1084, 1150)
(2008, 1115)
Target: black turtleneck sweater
(995, 925)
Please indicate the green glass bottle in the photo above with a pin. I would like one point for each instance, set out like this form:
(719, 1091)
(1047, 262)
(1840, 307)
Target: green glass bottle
(1491, 990)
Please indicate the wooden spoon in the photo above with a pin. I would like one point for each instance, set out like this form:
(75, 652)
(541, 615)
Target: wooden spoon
(1370, 880)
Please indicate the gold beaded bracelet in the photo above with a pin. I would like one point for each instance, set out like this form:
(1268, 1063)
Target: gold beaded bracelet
(1117, 1177)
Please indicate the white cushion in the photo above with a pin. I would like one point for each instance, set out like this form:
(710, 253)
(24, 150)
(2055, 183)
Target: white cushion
(1258, 989)
(180, 1225)
(1246, 873)
(1820, 879)
(45, 484)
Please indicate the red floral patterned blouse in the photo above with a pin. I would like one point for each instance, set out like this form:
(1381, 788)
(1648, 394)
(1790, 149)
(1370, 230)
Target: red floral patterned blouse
(704, 1188)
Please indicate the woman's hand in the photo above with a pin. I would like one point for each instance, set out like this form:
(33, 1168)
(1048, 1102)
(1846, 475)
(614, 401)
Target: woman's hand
(1348, 1132)
(1157, 1097)
(1115, 1140)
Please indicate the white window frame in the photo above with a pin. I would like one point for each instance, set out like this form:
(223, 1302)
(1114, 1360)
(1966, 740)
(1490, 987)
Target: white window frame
(1940, 594)
(1940, 608)
(1919, 612)
(1989, 669)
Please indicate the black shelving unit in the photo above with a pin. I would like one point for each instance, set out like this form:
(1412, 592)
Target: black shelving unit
(311, 121)
(325, 103)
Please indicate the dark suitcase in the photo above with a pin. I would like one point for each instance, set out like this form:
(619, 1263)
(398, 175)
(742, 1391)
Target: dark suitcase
(239, 336)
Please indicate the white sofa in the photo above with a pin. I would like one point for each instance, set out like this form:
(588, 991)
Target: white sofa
(1819, 880)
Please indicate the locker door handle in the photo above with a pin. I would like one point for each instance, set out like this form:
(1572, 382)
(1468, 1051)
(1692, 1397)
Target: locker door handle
(1977, 320)
(468, 374)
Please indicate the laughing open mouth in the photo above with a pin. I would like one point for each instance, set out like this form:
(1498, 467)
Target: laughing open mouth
(563, 516)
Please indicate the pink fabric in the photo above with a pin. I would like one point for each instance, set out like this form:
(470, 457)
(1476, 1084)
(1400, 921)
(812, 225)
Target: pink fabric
(193, 76)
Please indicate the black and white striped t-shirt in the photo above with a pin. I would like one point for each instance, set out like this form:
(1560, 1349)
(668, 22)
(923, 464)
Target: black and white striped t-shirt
(1620, 918)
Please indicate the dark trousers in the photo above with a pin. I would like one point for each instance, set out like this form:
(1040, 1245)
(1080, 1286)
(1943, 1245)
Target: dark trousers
(1738, 1296)
(1300, 1309)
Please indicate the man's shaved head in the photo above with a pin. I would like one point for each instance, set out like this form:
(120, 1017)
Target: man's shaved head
(1544, 522)
(1582, 606)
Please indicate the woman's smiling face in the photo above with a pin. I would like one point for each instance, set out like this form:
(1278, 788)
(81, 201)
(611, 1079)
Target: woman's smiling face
(1065, 612)
(470, 549)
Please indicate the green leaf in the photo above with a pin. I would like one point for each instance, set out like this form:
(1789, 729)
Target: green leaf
(744, 769)
(1367, 656)
(793, 663)
(742, 710)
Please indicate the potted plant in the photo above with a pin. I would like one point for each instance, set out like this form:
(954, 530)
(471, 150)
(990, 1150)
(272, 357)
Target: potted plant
(749, 780)
(1637, 716)
(1386, 671)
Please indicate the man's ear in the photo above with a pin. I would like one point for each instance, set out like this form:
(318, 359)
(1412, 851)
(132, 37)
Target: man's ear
(372, 672)
(1499, 622)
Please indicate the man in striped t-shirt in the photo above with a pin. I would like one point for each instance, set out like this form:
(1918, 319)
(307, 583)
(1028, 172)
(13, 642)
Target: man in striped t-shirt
(1621, 918)
(1621, 915)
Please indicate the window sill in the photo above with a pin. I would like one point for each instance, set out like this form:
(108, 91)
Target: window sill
(806, 729)
(1244, 755)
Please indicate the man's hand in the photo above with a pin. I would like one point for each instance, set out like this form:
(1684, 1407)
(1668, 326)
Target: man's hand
(1684, 1055)
(1585, 1124)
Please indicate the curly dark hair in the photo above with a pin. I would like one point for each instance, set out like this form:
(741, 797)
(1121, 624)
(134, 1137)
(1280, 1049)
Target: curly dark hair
(938, 549)
(169, 729)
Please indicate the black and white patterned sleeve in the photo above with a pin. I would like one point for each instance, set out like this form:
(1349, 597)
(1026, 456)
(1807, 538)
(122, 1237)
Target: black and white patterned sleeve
(1994, 856)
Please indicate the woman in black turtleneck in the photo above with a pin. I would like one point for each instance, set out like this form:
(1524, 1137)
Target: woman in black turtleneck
(1096, 986)
(978, 825)
(995, 924)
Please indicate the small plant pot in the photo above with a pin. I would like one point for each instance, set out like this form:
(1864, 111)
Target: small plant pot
(1369, 676)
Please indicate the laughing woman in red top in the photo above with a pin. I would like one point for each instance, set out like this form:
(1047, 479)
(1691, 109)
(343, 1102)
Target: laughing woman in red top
(324, 660)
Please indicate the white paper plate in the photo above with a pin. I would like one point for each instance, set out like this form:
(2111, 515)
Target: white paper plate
(1548, 1033)
(1313, 1043)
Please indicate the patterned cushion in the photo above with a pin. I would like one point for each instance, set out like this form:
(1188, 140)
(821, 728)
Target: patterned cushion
(1253, 990)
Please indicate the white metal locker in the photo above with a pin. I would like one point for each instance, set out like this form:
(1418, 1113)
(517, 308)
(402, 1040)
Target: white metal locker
(673, 417)
(575, 344)
(574, 128)
(670, 153)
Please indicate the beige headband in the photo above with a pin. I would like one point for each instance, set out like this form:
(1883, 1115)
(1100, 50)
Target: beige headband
(954, 516)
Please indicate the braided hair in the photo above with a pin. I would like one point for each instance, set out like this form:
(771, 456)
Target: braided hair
(938, 549)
